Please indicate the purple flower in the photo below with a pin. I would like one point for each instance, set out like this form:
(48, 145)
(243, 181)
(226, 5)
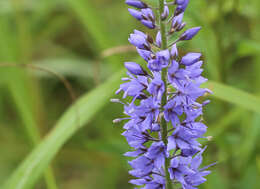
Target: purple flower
(145, 54)
(190, 58)
(161, 60)
(158, 39)
(181, 6)
(134, 68)
(139, 39)
(172, 111)
(157, 152)
(177, 21)
(134, 87)
(135, 13)
(165, 13)
(142, 166)
(179, 168)
(175, 74)
(184, 139)
(190, 33)
(174, 52)
(136, 3)
(197, 177)
(156, 87)
(135, 138)
(148, 18)
(148, 23)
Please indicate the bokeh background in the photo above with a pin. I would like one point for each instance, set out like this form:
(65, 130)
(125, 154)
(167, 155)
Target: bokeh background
(85, 41)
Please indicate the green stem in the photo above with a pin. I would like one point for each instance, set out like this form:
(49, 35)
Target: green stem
(164, 97)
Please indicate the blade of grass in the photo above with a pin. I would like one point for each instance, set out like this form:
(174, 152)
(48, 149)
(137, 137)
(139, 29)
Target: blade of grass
(234, 96)
(85, 108)
(19, 84)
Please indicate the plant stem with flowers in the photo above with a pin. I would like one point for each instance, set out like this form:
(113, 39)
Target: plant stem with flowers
(164, 97)
(164, 114)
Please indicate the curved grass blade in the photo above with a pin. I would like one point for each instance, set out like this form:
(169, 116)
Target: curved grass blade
(85, 108)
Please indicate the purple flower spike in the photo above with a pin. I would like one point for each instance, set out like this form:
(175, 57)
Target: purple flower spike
(190, 58)
(134, 68)
(163, 114)
(136, 3)
(190, 33)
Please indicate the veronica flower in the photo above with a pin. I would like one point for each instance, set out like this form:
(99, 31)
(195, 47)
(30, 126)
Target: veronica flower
(163, 117)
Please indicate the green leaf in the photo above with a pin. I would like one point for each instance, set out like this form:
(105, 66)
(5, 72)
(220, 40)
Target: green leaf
(75, 118)
(234, 96)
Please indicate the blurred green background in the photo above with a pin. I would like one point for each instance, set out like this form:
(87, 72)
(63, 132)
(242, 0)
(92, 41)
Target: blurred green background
(85, 41)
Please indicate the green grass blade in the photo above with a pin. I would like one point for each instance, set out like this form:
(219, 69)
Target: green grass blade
(234, 96)
(19, 84)
(79, 114)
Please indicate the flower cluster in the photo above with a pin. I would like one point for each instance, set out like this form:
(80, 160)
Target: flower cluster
(164, 114)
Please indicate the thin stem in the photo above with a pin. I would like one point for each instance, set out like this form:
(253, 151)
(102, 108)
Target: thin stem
(164, 97)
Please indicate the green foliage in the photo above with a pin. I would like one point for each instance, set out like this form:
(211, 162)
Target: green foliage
(69, 38)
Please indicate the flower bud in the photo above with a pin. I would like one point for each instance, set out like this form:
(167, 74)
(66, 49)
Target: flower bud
(174, 51)
(135, 13)
(148, 24)
(181, 26)
(146, 55)
(136, 3)
(148, 14)
(190, 58)
(181, 6)
(135, 68)
(177, 21)
(165, 13)
(158, 39)
(190, 33)
(138, 40)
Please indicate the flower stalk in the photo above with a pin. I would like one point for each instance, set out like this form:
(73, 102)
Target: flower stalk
(164, 97)
(163, 126)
